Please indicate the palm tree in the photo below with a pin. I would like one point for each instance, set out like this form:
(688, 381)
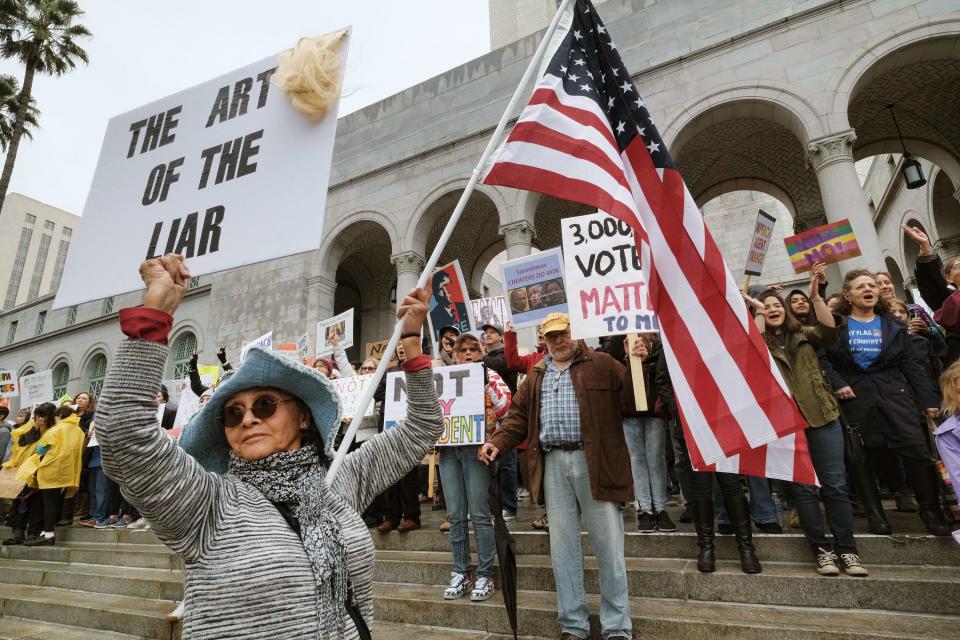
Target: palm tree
(9, 103)
(42, 35)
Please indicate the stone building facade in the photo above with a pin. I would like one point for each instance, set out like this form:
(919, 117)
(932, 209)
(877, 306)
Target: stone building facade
(775, 97)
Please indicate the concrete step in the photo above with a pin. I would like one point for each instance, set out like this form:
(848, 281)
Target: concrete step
(160, 584)
(22, 629)
(664, 618)
(909, 549)
(915, 589)
(141, 617)
(906, 549)
(395, 631)
(148, 556)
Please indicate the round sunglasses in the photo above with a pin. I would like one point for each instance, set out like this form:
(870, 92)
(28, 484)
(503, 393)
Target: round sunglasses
(262, 408)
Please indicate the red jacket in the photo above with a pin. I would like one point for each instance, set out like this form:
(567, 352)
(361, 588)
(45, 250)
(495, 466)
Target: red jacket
(515, 361)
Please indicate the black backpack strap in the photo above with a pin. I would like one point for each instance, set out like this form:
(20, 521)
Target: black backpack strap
(362, 629)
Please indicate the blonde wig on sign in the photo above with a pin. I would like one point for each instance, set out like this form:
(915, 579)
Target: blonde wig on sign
(310, 73)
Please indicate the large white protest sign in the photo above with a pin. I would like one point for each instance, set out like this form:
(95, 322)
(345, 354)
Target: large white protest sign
(8, 383)
(265, 341)
(760, 243)
(188, 406)
(340, 328)
(36, 388)
(605, 285)
(461, 392)
(350, 390)
(219, 173)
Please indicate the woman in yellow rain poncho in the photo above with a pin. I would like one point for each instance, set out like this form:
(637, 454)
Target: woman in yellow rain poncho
(51, 471)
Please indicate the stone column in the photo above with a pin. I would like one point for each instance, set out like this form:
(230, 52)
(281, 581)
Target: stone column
(948, 248)
(409, 266)
(518, 237)
(320, 294)
(843, 197)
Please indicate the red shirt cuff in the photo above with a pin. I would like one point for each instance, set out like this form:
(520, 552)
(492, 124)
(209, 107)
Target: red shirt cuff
(146, 324)
(417, 363)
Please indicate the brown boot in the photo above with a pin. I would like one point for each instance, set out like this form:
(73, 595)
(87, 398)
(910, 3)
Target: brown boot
(387, 526)
(407, 525)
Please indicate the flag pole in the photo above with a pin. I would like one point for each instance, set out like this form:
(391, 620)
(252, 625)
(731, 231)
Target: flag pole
(431, 264)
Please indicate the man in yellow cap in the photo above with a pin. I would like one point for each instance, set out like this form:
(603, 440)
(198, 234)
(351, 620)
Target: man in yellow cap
(570, 407)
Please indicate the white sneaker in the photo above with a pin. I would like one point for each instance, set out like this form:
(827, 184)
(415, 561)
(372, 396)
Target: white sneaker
(827, 562)
(522, 493)
(482, 590)
(459, 585)
(139, 524)
(176, 614)
(508, 516)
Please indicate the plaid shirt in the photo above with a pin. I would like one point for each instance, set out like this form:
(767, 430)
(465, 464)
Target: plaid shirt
(559, 409)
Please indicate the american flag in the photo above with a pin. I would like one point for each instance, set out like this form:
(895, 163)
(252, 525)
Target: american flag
(586, 136)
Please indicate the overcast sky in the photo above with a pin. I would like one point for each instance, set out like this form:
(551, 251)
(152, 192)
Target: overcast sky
(141, 51)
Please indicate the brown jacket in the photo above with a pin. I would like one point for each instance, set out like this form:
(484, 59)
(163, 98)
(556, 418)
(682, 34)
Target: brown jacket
(604, 387)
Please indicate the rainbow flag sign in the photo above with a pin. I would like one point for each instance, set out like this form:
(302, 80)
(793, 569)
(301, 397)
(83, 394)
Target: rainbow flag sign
(829, 243)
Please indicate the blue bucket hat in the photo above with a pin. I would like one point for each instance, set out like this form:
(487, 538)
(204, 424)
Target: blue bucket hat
(203, 437)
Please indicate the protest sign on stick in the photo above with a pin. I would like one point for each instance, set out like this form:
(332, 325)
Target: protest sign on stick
(830, 243)
(196, 173)
(265, 341)
(449, 304)
(339, 327)
(760, 243)
(534, 287)
(636, 371)
(492, 310)
(377, 350)
(209, 374)
(350, 390)
(8, 383)
(461, 392)
(36, 388)
(606, 287)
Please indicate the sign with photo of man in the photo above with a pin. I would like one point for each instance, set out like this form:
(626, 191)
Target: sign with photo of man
(534, 287)
(449, 302)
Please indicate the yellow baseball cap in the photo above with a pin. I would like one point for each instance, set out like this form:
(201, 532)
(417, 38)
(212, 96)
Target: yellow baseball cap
(554, 322)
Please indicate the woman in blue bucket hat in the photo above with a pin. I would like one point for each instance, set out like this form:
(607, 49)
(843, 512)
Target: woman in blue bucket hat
(269, 550)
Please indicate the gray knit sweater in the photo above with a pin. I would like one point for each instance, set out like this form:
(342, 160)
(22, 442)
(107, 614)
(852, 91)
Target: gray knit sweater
(246, 572)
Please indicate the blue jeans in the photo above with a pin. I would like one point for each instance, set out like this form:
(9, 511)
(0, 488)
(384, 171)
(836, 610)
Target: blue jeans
(826, 452)
(762, 508)
(507, 475)
(99, 493)
(466, 489)
(566, 485)
(646, 437)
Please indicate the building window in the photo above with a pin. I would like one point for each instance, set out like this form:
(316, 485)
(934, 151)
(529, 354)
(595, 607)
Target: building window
(96, 371)
(12, 333)
(67, 231)
(182, 351)
(61, 375)
(49, 225)
(107, 305)
(41, 320)
(58, 266)
(13, 288)
(39, 266)
(72, 316)
(31, 218)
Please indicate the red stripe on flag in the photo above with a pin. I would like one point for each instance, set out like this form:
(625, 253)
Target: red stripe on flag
(524, 176)
(536, 133)
(549, 98)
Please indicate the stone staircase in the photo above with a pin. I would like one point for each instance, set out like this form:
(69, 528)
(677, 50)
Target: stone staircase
(120, 584)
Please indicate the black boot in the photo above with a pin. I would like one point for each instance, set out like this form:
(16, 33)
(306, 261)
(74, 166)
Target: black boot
(702, 511)
(870, 497)
(739, 514)
(16, 538)
(924, 480)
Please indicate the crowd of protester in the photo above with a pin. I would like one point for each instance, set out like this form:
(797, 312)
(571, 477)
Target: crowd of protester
(875, 377)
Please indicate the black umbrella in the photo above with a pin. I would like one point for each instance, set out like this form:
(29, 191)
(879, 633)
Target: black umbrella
(506, 552)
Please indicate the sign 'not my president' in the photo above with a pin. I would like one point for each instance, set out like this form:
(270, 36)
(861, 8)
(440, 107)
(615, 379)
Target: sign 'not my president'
(226, 173)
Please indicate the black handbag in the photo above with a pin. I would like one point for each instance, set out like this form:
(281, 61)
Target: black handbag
(352, 607)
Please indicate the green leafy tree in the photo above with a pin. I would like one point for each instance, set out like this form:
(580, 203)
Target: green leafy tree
(42, 34)
(9, 105)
